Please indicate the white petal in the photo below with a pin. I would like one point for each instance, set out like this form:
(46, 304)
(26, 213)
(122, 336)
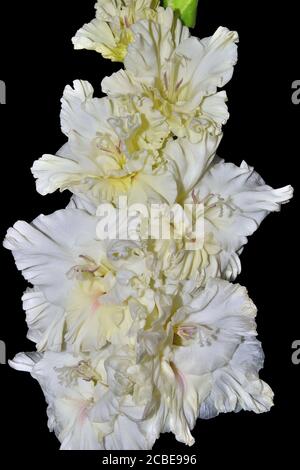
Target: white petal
(47, 249)
(220, 316)
(238, 386)
(45, 321)
(189, 161)
(244, 200)
(209, 62)
(24, 361)
(154, 43)
(127, 435)
(123, 83)
(77, 202)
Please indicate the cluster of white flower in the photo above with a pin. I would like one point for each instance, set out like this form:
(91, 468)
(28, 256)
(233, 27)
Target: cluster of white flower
(139, 337)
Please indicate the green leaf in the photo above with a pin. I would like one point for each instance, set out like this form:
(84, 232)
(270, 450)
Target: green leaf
(187, 10)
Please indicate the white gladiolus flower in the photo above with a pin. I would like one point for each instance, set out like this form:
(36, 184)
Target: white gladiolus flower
(110, 32)
(75, 299)
(235, 202)
(180, 74)
(227, 201)
(95, 402)
(206, 358)
(250, 196)
(112, 150)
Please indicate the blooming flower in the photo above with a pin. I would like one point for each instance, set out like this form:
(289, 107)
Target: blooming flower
(74, 277)
(228, 202)
(235, 202)
(208, 360)
(95, 402)
(108, 152)
(110, 32)
(179, 73)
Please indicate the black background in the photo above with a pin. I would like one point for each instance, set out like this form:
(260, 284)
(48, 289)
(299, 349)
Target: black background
(37, 60)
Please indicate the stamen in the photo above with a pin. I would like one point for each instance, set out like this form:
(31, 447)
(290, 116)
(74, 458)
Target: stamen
(103, 149)
(69, 375)
(77, 270)
(195, 198)
(220, 203)
(166, 80)
(178, 84)
(187, 331)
